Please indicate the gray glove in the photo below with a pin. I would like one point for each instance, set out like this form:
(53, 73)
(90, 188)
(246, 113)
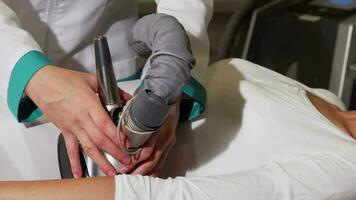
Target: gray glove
(164, 39)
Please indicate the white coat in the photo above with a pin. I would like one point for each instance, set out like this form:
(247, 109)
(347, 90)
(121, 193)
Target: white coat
(34, 33)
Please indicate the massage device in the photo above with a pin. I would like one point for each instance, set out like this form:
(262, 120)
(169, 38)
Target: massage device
(163, 41)
(135, 118)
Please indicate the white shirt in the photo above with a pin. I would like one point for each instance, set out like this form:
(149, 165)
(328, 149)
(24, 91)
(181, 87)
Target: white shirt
(261, 138)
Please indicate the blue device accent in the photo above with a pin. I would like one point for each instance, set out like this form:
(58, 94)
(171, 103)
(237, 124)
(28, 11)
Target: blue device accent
(342, 2)
(346, 5)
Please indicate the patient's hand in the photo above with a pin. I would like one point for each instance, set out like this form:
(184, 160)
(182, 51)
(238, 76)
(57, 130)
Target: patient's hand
(152, 157)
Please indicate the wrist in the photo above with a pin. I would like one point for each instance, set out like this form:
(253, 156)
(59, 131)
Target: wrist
(37, 79)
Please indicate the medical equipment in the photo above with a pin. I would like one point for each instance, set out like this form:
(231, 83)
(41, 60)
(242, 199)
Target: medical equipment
(107, 88)
(309, 40)
(163, 40)
(135, 118)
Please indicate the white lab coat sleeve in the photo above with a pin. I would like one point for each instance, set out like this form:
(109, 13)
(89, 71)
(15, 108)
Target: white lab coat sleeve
(20, 58)
(195, 16)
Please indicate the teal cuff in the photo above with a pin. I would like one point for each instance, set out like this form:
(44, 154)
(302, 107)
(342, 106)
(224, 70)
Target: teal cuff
(21, 74)
(198, 93)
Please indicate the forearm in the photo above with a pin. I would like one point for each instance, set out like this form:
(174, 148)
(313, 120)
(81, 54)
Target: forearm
(86, 189)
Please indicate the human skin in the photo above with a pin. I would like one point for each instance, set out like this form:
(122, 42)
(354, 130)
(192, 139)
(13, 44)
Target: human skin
(72, 189)
(68, 99)
(344, 120)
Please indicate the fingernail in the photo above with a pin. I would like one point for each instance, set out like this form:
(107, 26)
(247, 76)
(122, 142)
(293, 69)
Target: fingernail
(75, 173)
(111, 173)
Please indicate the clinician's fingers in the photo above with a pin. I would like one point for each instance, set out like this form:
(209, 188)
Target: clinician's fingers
(94, 153)
(147, 150)
(73, 154)
(157, 155)
(102, 120)
(148, 165)
(144, 154)
(103, 142)
(160, 164)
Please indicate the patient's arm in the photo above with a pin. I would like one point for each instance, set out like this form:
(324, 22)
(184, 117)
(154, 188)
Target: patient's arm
(316, 176)
(82, 189)
(133, 187)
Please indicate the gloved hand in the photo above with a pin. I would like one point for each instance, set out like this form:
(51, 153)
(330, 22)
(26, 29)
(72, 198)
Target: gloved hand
(68, 99)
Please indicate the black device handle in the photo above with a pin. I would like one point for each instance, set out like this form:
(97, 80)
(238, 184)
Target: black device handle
(107, 87)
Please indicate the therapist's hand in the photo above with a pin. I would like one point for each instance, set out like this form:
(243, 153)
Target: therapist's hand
(154, 153)
(68, 99)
